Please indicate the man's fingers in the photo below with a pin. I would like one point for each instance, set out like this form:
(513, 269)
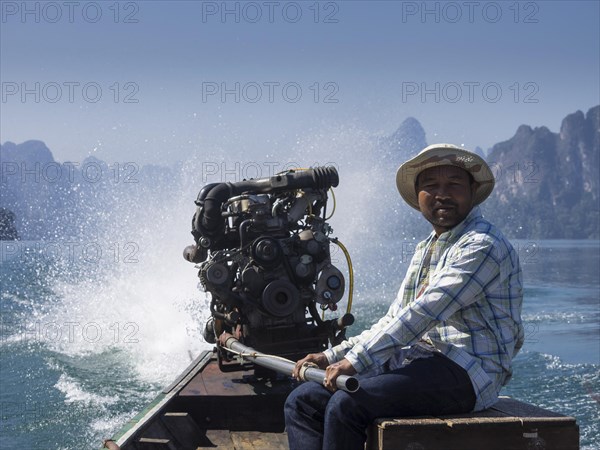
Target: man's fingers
(333, 371)
(223, 338)
(331, 374)
(296, 371)
(298, 365)
(314, 358)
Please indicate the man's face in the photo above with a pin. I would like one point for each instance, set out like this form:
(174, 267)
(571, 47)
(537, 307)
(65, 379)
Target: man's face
(445, 196)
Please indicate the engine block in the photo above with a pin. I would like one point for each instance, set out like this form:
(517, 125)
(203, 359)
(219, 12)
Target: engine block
(263, 251)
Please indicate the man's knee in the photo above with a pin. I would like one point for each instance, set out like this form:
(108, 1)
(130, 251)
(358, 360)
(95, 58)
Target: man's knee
(289, 406)
(344, 408)
(292, 402)
(307, 398)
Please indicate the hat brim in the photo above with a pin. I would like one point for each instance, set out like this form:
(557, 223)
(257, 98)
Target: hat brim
(444, 155)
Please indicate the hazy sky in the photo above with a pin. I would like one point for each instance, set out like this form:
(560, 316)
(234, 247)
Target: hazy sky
(162, 81)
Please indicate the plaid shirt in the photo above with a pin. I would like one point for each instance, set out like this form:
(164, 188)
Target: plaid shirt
(469, 309)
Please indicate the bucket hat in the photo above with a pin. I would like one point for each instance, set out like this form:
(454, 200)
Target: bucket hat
(444, 155)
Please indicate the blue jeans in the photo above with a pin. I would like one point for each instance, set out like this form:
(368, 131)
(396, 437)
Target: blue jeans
(317, 419)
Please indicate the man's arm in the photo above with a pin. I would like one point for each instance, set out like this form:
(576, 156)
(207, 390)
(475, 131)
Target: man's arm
(339, 351)
(333, 360)
(472, 268)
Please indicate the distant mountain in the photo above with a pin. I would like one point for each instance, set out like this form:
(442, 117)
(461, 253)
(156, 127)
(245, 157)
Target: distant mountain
(404, 143)
(51, 200)
(547, 184)
(29, 190)
(397, 218)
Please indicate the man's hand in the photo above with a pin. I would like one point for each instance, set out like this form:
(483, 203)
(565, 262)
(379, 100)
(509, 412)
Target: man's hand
(315, 358)
(336, 369)
(223, 338)
(332, 371)
(236, 333)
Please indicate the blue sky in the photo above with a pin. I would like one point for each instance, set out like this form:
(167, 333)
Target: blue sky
(160, 81)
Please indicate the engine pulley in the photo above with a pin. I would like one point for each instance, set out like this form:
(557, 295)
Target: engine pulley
(217, 274)
(266, 252)
(280, 298)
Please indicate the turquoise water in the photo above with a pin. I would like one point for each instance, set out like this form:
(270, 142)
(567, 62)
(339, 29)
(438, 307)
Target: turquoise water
(86, 342)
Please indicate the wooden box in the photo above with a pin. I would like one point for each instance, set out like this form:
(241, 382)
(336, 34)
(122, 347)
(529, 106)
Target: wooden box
(508, 425)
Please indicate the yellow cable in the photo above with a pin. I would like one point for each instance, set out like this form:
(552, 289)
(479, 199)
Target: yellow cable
(350, 274)
(334, 203)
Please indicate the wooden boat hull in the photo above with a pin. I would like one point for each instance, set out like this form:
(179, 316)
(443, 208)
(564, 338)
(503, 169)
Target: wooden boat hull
(205, 408)
(208, 408)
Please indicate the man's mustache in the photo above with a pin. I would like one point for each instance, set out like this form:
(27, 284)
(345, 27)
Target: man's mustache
(442, 205)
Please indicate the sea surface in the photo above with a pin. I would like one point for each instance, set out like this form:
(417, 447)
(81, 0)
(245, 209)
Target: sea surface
(90, 332)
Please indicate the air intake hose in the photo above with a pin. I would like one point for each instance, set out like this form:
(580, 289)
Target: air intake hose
(208, 219)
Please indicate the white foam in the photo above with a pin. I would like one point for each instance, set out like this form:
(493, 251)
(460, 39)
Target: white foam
(75, 393)
(106, 426)
(144, 303)
(556, 363)
(555, 316)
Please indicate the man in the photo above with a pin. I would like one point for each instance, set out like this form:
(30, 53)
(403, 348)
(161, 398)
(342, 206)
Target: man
(446, 344)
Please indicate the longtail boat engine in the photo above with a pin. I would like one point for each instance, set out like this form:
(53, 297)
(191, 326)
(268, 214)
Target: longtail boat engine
(263, 250)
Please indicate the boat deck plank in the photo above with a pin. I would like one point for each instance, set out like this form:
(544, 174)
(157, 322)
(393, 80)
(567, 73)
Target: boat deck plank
(211, 382)
(253, 440)
(244, 440)
(236, 401)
